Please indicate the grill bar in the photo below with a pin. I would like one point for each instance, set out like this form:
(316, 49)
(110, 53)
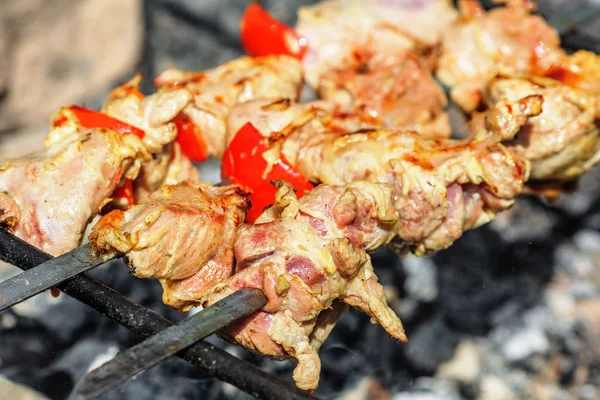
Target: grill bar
(145, 323)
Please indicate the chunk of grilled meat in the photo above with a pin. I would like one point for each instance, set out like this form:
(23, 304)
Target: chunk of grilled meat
(48, 198)
(396, 90)
(422, 169)
(217, 90)
(562, 142)
(480, 44)
(305, 255)
(169, 167)
(182, 235)
(579, 70)
(154, 114)
(339, 30)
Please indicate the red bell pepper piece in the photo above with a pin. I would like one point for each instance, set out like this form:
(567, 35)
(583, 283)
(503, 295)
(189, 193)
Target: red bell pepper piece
(95, 119)
(244, 164)
(124, 193)
(190, 139)
(263, 35)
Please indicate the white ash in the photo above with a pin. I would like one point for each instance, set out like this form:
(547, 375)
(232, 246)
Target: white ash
(524, 221)
(428, 389)
(103, 358)
(525, 343)
(588, 241)
(584, 289)
(573, 262)
(421, 278)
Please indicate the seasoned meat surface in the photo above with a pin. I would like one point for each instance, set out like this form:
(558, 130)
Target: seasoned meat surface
(338, 30)
(561, 142)
(217, 90)
(488, 174)
(182, 235)
(395, 89)
(580, 70)
(48, 198)
(305, 258)
(480, 44)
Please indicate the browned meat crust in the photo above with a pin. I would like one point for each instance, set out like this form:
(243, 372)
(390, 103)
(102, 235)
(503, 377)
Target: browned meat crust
(217, 90)
(182, 235)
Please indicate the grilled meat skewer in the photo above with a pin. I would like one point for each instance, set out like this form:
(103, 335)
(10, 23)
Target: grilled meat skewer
(305, 259)
(309, 254)
(440, 188)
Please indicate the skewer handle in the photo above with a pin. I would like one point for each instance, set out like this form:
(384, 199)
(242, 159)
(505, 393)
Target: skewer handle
(49, 274)
(167, 343)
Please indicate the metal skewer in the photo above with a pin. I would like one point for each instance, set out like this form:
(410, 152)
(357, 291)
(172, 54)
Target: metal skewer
(49, 274)
(167, 343)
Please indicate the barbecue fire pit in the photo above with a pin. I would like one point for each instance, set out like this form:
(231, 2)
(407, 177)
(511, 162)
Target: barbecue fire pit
(510, 311)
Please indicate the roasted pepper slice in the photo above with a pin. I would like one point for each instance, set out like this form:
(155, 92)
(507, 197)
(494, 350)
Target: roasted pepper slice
(95, 119)
(190, 139)
(263, 35)
(243, 163)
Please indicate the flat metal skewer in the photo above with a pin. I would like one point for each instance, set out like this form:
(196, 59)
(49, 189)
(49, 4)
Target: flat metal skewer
(49, 274)
(167, 343)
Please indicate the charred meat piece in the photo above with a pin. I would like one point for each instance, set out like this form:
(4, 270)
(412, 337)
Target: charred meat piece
(561, 142)
(182, 235)
(48, 198)
(217, 90)
(480, 44)
(339, 30)
(307, 255)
